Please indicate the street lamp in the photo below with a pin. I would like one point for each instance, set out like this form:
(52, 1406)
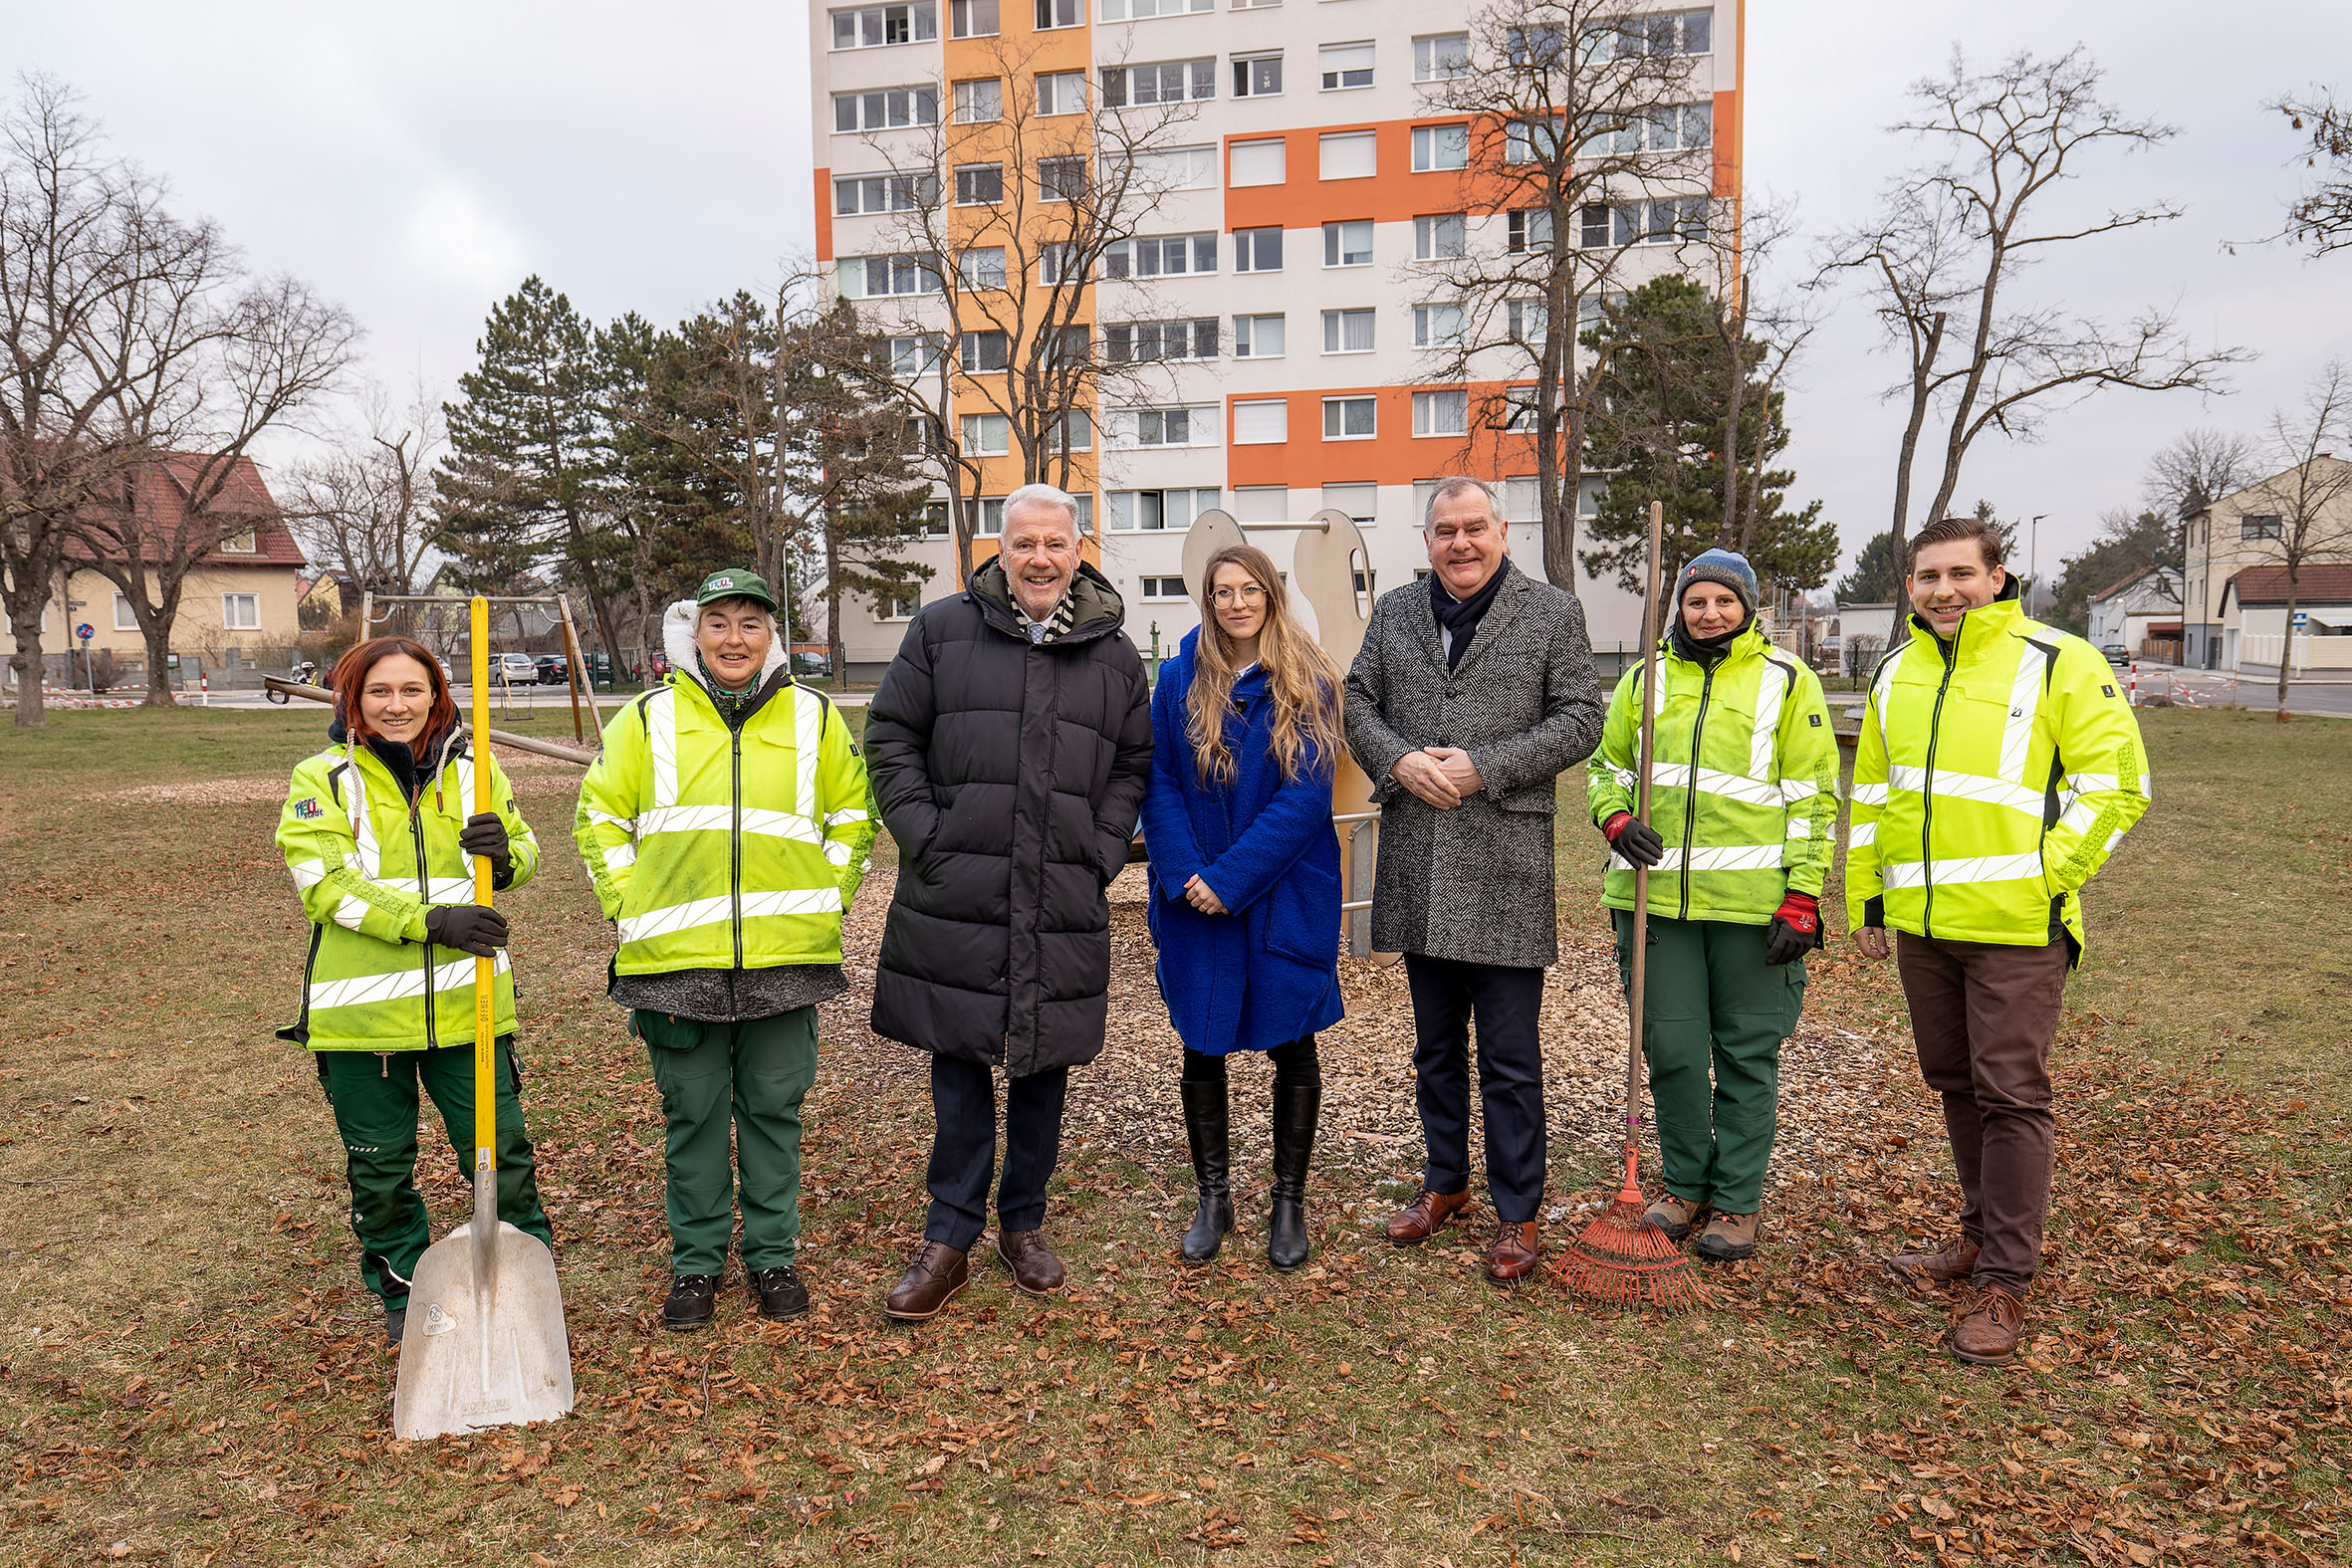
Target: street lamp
(2034, 555)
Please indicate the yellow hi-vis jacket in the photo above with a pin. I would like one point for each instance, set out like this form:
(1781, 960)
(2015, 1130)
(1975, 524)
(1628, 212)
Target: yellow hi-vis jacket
(1993, 775)
(718, 848)
(367, 866)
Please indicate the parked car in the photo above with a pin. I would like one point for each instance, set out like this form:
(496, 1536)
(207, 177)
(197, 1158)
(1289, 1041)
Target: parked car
(554, 669)
(515, 669)
(810, 666)
(2117, 654)
(657, 667)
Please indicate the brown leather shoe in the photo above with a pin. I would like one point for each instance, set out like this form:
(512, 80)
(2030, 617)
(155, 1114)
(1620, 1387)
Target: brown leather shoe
(1985, 1327)
(1514, 1254)
(933, 1276)
(1425, 1216)
(1920, 1272)
(1034, 1268)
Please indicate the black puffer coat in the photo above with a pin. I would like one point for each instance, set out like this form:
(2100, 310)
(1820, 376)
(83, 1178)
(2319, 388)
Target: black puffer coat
(1010, 776)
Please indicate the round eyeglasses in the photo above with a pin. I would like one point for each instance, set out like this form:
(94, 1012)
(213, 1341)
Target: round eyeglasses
(1247, 593)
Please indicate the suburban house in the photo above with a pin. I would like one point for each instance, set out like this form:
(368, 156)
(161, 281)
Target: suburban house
(237, 610)
(2141, 614)
(2244, 530)
(2255, 619)
(1851, 633)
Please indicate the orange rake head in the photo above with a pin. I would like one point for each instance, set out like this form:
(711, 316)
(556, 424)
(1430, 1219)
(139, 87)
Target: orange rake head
(1624, 1261)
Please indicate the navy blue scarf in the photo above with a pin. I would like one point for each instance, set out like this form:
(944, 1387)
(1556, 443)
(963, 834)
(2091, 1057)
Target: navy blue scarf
(1460, 616)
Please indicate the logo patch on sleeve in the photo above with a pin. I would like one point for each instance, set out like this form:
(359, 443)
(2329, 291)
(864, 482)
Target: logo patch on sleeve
(309, 805)
(2107, 691)
(1817, 720)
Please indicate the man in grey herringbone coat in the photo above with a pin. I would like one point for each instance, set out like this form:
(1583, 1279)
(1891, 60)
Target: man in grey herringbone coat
(1472, 693)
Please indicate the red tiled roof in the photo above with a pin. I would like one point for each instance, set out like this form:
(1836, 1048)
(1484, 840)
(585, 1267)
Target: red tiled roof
(2320, 583)
(162, 489)
(2114, 588)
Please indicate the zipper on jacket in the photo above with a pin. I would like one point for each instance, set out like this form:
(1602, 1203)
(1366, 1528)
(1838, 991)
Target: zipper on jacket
(735, 840)
(424, 890)
(1926, 790)
(1690, 796)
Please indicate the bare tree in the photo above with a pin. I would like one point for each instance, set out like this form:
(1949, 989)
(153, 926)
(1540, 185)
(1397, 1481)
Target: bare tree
(366, 509)
(2321, 217)
(1003, 213)
(1954, 236)
(2312, 496)
(1589, 141)
(2188, 472)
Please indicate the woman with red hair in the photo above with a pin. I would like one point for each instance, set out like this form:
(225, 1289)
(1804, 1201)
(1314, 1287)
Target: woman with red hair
(376, 833)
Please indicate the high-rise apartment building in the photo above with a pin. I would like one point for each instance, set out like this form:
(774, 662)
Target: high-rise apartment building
(1286, 182)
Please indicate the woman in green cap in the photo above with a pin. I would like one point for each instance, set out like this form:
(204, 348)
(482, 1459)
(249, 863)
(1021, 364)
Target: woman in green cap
(726, 828)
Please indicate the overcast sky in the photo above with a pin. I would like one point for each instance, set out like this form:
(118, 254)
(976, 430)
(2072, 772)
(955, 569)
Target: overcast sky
(416, 162)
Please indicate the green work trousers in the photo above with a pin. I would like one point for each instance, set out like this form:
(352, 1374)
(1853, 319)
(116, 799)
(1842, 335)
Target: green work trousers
(375, 1095)
(760, 1070)
(1710, 1001)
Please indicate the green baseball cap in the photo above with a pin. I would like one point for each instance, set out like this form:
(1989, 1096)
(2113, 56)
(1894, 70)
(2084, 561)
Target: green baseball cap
(732, 584)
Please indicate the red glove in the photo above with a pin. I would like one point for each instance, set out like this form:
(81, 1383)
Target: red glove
(1634, 838)
(1795, 929)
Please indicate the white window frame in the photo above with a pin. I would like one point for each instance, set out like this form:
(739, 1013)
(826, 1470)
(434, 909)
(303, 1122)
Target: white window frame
(972, 352)
(1124, 259)
(1346, 142)
(1195, 80)
(1428, 62)
(1336, 411)
(1440, 415)
(1427, 333)
(1188, 331)
(965, 10)
(920, 15)
(919, 95)
(975, 269)
(1057, 91)
(1053, 191)
(1432, 228)
(1249, 411)
(126, 618)
(898, 606)
(1053, 15)
(897, 192)
(1145, 10)
(1433, 145)
(229, 619)
(1243, 158)
(1335, 79)
(1163, 169)
(1153, 588)
(245, 543)
(1125, 427)
(1337, 324)
(977, 429)
(1246, 73)
(908, 264)
(962, 169)
(1335, 237)
(1125, 508)
(1248, 334)
(1239, 253)
(980, 101)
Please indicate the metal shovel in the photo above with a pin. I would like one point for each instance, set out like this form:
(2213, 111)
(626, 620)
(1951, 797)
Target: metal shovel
(487, 1347)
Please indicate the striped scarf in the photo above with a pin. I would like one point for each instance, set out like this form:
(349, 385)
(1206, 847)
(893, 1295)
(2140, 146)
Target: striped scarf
(1053, 626)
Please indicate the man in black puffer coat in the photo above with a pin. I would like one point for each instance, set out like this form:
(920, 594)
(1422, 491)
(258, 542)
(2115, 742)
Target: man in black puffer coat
(1009, 744)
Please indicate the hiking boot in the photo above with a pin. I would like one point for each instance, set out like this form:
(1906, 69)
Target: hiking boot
(396, 1322)
(1207, 1128)
(933, 1276)
(1674, 1216)
(1034, 1268)
(1296, 1110)
(1920, 1272)
(692, 1301)
(1515, 1253)
(1985, 1327)
(778, 1292)
(1425, 1216)
(1726, 1238)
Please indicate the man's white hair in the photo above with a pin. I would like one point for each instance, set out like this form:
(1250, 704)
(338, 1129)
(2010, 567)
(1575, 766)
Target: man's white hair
(1454, 485)
(1042, 496)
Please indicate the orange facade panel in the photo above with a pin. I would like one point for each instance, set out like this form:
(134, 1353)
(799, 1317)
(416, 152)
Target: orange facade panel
(824, 215)
(1305, 200)
(1392, 456)
(1727, 144)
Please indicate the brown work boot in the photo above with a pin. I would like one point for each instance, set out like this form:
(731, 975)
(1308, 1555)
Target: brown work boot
(1674, 1216)
(1726, 1238)
(1034, 1268)
(1920, 1272)
(1985, 1327)
(1514, 1254)
(933, 1276)
(1425, 1216)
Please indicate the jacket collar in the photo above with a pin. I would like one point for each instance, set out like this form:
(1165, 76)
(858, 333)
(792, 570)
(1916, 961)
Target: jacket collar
(1980, 627)
(677, 640)
(1510, 601)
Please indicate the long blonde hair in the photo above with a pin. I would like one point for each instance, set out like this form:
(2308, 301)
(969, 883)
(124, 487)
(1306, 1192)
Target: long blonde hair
(1299, 677)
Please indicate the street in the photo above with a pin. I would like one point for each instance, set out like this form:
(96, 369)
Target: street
(2328, 696)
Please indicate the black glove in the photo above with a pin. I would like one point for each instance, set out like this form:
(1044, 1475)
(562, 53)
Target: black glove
(1795, 930)
(484, 834)
(470, 928)
(1635, 839)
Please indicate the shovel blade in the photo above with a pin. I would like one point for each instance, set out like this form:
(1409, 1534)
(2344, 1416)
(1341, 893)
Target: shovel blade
(482, 1351)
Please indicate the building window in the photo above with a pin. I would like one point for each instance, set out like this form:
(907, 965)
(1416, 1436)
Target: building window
(238, 611)
(1519, 410)
(1437, 326)
(2263, 525)
(1062, 180)
(1360, 502)
(1191, 425)
(1141, 343)
(982, 267)
(1054, 261)
(868, 26)
(898, 606)
(1259, 162)
(1530, 229)
(882, 193)
(1527, 321)
(1662, 33)
(1348, 244)
(125, 618)
(1667, 222)
(1440, 147)
(1160, 256)
(1141, 10)
(1060, 13)
(1261, 423)
(978, 103)
(886, 108)
(913, 354)
(1258, 336)
(1441, 57)
(987, 436)
(240, 544)
(1593, 225)
(1158, 511)
(876, 277)
(989, 517)
(1164, 588)
(1441, 413)
(1665, 127)
(1442, 237)
(985, 350)
(1347, 332)
(1534, 141)
(1346, 65)
(1072, 431)
(1349, 154)
(1257, 250)
(1349, 419)
(971, 18)
(1166, 81)
(1257, 76)
(980, 184)
(935, 525)
(1073, 345)
(1062, 93)
(1176, 168)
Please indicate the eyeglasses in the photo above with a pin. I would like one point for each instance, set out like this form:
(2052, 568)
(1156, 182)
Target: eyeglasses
(1247, 593)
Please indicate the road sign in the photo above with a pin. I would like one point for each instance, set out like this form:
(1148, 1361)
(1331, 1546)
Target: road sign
(84, 631)
(2303, 619)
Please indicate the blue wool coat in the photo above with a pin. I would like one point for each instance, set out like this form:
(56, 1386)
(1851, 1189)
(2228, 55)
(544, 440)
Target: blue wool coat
(1268, 973)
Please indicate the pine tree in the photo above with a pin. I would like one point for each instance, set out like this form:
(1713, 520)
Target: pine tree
(1877, 577)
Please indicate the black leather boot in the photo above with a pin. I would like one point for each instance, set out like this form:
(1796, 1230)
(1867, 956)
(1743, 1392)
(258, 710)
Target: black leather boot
(1206, 1124)
(1296, 1110)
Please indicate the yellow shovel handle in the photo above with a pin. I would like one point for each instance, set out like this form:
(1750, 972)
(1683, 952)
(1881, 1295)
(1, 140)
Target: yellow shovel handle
(485, 970)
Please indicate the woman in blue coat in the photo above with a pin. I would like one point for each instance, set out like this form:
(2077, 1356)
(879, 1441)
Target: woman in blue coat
(1245, 877)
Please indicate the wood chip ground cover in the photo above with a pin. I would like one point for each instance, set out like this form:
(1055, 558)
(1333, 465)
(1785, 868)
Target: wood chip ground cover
(189, 1372)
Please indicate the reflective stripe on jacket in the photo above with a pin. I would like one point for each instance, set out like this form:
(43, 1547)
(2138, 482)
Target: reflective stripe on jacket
(367, 866)
(1757, 818)
(718, 848)
(1994, 774)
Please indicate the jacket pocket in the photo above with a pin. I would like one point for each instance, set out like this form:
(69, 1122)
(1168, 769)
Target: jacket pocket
(1302, 917)
(665, 1032)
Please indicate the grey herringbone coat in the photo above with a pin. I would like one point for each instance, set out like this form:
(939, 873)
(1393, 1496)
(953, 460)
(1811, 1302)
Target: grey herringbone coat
(1473, 884)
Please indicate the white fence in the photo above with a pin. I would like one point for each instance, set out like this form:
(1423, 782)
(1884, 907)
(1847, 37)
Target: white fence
(2311, 653)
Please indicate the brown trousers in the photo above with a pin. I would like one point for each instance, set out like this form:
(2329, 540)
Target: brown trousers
(1983, 1016)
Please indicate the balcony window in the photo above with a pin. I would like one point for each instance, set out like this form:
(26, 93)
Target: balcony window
(886, 108)
(870, 26)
